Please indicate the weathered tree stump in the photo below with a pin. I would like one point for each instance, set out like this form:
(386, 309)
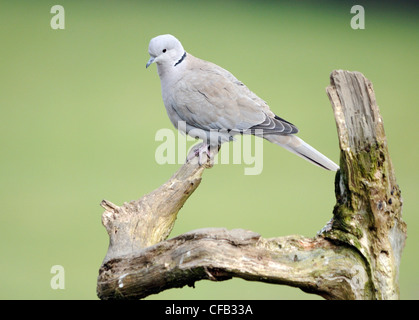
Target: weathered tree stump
(356, 256)
(368, 212)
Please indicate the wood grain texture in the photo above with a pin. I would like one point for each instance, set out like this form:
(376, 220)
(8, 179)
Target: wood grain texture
(368, 212)
(314, 265)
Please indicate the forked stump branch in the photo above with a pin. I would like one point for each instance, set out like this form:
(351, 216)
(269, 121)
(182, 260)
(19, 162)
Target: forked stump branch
(356, 256)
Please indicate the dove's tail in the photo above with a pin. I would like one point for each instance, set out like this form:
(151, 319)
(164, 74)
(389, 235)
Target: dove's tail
(300, 148)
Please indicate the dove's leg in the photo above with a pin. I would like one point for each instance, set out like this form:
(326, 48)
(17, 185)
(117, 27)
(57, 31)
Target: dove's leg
(204, 152)
(199, 152)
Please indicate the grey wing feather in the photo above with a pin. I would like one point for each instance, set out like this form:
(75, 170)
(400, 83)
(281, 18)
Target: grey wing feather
(210, 97)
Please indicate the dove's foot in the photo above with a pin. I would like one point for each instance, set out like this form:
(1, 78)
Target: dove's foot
(202, 152)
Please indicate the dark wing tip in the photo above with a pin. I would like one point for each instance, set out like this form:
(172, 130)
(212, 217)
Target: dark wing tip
(291, 128)
(274, 125)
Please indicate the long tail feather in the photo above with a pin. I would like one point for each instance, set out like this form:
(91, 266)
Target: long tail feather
(304, 150)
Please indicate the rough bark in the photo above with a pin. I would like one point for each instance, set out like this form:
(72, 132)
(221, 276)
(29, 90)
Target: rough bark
(314, 265)
(356, 256)
(368, 212)
(149, 220)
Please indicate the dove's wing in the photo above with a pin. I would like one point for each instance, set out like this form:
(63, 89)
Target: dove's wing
(209, 97)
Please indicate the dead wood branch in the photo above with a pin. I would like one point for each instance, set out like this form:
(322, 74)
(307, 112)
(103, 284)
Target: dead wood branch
(356, 256)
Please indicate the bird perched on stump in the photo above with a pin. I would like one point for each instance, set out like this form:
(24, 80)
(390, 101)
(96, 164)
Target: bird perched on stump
(214, 106)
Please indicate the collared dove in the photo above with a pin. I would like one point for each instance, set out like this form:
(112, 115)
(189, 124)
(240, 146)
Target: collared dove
(214, 106)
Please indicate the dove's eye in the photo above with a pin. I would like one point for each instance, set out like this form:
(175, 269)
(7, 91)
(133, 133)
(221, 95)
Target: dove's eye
(164, 50)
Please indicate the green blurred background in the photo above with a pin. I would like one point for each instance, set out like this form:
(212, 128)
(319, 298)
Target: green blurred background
(79, 113)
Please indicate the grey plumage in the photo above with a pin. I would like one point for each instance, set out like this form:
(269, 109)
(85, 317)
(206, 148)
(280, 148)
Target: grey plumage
(215, 105)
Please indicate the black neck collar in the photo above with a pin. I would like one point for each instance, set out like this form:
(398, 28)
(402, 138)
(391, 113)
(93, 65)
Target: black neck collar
(181, 59)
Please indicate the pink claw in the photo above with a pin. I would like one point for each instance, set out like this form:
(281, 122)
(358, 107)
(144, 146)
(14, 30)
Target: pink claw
(199, 152)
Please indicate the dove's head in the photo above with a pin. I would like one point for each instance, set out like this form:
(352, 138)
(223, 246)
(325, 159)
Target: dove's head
(165, 50)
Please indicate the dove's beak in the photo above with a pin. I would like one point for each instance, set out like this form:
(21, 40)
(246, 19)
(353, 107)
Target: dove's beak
(150, 62)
